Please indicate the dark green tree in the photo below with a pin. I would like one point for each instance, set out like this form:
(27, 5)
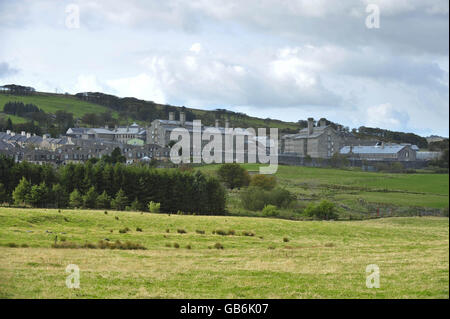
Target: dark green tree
(233, 175)
(21, 192)
(90, 198)
(76, 200)
(120, 201)
(103, 200)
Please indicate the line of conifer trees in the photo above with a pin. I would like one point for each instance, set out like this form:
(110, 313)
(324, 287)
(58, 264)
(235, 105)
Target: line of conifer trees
(104, 185)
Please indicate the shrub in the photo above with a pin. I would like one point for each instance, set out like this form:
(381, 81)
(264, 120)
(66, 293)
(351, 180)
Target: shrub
(255, 198)
(181, 231)
(102, 244)
(281, 197)
(233, 175)
(248, 233)
(105, 212)
(66, 244)
(124, 230)
(176, 245)
(188, 247)
(202, 232)
(154, 207)
(137, 206)
(285, 239)
(270, 211)
(168, 245)
(218, 246)
(325, 210)
(266, 182)
(89, 245)
(12, 245)
(138, 229)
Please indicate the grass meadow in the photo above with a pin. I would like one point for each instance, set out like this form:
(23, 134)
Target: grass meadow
(356, 193)
(50, 103)
(283, 258)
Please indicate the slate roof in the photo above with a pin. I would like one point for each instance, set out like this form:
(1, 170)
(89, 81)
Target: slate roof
(387, 149)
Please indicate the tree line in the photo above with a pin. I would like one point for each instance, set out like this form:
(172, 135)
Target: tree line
(20, 109)
(104, 185)
(392, 136)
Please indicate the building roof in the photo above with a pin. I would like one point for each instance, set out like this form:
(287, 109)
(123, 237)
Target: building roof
(77, 130)
(387, 149)
(99, 131)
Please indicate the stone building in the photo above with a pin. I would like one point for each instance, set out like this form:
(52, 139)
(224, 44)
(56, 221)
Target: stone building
(381, 152)
(320, 141)
(121, 134)
(245, 143)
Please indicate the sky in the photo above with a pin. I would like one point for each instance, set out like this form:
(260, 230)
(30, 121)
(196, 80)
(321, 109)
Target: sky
(283, 59)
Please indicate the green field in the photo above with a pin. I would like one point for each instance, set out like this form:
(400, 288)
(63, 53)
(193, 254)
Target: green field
(50, 103)
(320, 260)
(357, 193)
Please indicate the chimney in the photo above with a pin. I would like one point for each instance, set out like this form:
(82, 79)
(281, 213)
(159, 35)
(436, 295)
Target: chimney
(171, 116)
(217, 123)
(339, 127)
(351, 149)
(13, 134)
(107, 127)
(28, 135)
(382, 144)
(182, 118)
(322, 123)
(227, 123)
(8, 132)
(310, 125)
(23, 133)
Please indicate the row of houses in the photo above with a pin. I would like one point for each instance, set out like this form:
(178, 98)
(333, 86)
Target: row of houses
(153, 142)
(133, 134)
(67, 149)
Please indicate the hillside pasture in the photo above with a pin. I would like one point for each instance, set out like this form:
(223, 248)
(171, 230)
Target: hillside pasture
(320, 259)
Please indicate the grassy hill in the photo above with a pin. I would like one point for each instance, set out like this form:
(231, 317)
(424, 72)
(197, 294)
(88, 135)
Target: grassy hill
(50, 103)
(284, 259)
(356, 193)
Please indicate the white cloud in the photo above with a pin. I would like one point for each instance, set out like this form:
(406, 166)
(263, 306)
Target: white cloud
(196, 48)
(386, 116)
(141, 86)
(88, 83)
(283, 59)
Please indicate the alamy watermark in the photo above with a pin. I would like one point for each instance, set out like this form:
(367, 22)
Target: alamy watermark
(225, 145)
(373, 19)
(73, 279)
(373, 276)
(73, 16)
